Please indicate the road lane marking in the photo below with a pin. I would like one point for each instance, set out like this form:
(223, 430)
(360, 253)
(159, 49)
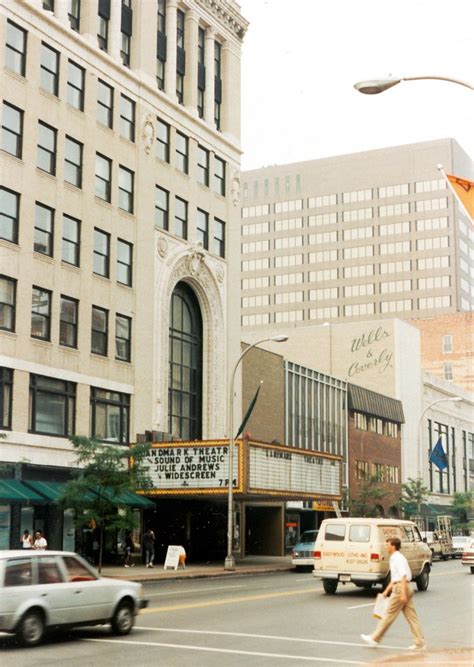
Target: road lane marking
(359, 606)
(230, 600)
(252, 635)
(193, 590)
(259, 654)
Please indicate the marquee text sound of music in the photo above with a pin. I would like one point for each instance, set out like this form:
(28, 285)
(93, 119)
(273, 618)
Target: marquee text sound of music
(188, 462)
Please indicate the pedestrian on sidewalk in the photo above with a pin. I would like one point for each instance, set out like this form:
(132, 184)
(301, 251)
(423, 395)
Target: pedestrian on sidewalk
(401, 599)
(26, 540)
(40, 542)
(148, 541)
(129, 547)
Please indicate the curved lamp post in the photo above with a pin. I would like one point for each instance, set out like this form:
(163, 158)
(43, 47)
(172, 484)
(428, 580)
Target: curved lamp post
(229, 563)
(453, 399)
(376, 86)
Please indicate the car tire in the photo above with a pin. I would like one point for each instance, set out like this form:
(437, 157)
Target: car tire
(31, 629)
(123, 619)
(423, 580)
(330, 586)
(472, 570)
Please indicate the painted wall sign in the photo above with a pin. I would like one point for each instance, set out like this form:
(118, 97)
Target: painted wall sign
(372, 352)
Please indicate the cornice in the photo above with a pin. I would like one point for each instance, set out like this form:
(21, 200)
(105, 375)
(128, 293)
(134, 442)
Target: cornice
(227, 13)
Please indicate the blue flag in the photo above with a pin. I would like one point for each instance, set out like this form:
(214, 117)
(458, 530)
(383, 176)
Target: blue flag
(438, 456)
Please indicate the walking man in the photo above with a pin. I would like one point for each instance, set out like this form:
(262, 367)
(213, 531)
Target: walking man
(149, 546)
(400, 600)
(40, 542)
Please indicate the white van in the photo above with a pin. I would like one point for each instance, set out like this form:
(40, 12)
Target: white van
(355, 551)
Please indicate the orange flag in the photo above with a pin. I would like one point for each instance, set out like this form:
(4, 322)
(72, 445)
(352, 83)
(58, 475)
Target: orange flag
(465, 191)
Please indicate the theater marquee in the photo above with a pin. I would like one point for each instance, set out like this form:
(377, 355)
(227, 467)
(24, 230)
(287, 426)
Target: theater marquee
(201, 468)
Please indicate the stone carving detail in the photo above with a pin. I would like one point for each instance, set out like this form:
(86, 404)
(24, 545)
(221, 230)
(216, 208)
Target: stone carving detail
(235, 188)
(220, 273)
(162, 247)
(228, 15)
(148, 133)
(195, 260)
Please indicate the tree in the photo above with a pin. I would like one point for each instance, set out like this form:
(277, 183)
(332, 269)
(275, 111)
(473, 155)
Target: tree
(368, 499)
(414, 494)
(104, 473)
(462, 510)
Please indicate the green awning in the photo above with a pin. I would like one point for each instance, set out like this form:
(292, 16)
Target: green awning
(50, 490)
(128, 498)
(14, 491)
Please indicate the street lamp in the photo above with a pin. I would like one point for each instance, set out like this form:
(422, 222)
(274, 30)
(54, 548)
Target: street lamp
(229, 563)
(453, 399)
(376, 86)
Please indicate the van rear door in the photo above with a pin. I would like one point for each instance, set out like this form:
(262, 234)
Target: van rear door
(331, 545)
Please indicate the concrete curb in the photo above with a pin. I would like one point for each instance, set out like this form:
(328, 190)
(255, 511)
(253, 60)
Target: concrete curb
(193, 574)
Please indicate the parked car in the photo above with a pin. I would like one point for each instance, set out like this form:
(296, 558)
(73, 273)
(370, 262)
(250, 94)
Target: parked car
(460, 542)
(40, 590)
(354, 550)
(302, 554)
(467, 557)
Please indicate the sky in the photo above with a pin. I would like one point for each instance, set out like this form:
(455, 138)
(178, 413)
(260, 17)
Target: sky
(301, 58)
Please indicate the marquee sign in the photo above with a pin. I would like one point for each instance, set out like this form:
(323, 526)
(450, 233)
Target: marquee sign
(201, 468)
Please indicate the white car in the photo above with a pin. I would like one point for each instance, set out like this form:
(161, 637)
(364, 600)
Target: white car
(46, 589)
(460, 543)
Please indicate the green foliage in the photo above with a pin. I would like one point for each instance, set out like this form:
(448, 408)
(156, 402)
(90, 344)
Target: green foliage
(104, 473)
(414, 494)
(371, 493)
(463, 511)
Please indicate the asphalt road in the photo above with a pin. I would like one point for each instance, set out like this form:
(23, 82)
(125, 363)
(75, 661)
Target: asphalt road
(261, 620)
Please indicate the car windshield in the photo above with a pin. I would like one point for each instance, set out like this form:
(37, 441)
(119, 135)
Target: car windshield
(309, 536)
(460, 539)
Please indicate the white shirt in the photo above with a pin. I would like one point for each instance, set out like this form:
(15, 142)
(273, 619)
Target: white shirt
(41, 543)
(399, 567)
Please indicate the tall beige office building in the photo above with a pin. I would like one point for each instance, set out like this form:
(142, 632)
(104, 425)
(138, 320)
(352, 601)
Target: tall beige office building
(119, 204)
(361, 236)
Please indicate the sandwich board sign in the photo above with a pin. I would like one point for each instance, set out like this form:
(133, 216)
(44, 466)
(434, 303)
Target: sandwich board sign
(173, 559)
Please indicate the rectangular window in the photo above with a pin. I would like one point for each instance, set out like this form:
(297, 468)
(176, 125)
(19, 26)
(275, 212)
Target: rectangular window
(7, 303)
(109, 415)
(74, 14)
(161, 207)
(71, 241)
(125, 193)
(6, 391)
(52, 406)
(217, 84)
(160, 73)
(41, 314)
(105, 104)
(219, 238)
(48, 5)
(103, 32)
(12, 130)
(447, 344)
(99, 330)
(161, 45)
(335, 532)
(123, 337)
(44, 229)
(448, 371)
(162, 140)
(68, 318)
(203, 166)
(124, 262)
(126, 43)
(181, 218)
(180, 56)
(15, 48)
(203, 228)
(9, 215)
(101, 253)
(46, 156)
(127, 118)
(182, 148)
(73, 162)
(201, 83)
(76, 77)
(103, 177)
(219, 176)
(49, 69)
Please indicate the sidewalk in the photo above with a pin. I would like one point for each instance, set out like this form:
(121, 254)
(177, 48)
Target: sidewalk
(248, 565)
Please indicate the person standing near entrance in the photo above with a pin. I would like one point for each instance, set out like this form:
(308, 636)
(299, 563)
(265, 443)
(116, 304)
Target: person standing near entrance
(26, 540)
(401, 600)
(148, 541)
(40, 542)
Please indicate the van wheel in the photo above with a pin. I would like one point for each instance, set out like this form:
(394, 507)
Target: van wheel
(472, 570)
(330, 586)
(422, 582)
(123, 619)
(31, 629)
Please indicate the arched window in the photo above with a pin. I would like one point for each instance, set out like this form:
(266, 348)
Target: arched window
(185, 365)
